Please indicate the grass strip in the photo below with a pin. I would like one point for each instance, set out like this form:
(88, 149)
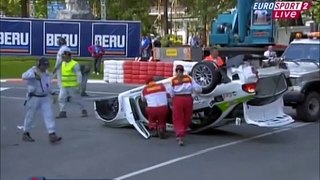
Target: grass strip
(13, 67)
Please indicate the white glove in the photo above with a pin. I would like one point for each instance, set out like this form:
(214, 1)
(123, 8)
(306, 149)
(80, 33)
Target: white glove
(37, 74)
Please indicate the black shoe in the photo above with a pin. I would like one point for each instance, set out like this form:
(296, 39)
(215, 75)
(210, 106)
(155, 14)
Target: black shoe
(162, 134)
(53, 138)
(84, 113)
(26, 137)
(68, 98)
(154, 133)
(180, 141)
(62, 114)
(84, 94)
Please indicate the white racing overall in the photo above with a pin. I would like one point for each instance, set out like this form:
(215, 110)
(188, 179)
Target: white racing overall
(38, 97)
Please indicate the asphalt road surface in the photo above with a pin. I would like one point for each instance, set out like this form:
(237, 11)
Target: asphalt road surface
(90, 150)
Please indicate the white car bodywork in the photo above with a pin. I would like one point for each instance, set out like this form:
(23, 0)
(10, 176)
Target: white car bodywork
(211, 109)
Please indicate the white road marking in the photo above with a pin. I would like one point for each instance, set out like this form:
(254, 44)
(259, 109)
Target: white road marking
(13, 98)
(3, 89)
(200, 152)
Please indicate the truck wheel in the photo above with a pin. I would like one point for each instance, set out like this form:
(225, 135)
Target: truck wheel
(309, 110)
(206, 75)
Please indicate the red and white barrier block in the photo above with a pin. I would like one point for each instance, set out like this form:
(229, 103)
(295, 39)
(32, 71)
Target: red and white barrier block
(137, 72)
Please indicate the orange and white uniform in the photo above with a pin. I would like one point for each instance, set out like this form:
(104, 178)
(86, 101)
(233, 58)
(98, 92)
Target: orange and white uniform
(218, 60)
(186, 86)
(157, 105)
(181, 91)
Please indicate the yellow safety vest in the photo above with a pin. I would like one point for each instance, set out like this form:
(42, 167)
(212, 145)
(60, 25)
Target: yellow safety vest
(68, 77)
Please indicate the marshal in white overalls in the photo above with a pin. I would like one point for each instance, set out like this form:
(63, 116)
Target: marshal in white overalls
(39, 96)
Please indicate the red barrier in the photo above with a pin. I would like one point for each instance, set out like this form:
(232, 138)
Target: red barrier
(127, 80)
(152, 68)
(143, 68)
(168, 69)
(160, 69)
(137, 72)
(127, 72)
(135, 79)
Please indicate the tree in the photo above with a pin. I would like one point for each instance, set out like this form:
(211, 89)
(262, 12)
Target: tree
(24, 8)
(21, 8)
(10, 7)
(315, 11)
(207, 10)
(96, 7)
(131, 10)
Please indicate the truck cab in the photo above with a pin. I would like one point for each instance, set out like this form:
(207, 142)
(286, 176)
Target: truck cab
(302, 58)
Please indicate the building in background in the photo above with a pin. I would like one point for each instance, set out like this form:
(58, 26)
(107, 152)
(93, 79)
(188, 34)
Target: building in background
(54, 7)
(180, 24)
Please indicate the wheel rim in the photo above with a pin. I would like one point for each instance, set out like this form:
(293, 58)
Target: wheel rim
(313, 106)
(115, 106)
(107, 108)
(202, 75)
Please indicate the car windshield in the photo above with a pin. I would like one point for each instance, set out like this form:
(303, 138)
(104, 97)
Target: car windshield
(305, 52)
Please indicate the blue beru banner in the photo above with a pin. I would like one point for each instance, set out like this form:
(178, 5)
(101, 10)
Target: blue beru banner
(54, 30)
(113, 37)
(15, 37)
(39, 37)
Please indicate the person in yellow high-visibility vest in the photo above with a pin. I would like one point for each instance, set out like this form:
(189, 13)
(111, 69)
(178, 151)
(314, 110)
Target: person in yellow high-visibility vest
(71, 79)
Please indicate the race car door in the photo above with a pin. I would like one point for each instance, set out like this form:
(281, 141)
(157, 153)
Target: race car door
(133, 117)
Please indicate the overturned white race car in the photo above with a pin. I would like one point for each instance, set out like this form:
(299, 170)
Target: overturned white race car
(242, 83)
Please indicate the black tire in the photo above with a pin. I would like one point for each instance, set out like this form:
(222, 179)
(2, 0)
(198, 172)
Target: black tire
(107, 109)
(213, 76)
(309, 109)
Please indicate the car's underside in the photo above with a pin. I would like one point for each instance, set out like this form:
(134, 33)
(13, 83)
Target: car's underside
(242, 89)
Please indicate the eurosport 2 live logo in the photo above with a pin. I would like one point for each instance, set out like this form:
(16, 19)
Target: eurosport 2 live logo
(283, 9)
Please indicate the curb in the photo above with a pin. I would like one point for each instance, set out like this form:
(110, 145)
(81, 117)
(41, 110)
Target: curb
(91, 81)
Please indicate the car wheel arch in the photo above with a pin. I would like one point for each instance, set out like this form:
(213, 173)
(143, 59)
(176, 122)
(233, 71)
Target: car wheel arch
(311, 86)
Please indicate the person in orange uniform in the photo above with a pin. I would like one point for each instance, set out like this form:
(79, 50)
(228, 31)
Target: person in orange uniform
(157, 107)
(182, 87)
(214, 57)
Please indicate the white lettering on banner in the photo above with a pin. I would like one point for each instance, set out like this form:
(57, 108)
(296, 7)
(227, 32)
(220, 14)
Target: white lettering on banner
(52, 39)
(14, 38)
(111, 41)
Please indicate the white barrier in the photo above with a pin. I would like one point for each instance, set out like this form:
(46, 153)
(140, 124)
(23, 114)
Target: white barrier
(105, 71)
(120, 72)
(113, 71)
(110, 71)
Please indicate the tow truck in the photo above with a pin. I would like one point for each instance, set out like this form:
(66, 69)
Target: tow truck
(302, 58)
(239, 31)
(242, 30)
